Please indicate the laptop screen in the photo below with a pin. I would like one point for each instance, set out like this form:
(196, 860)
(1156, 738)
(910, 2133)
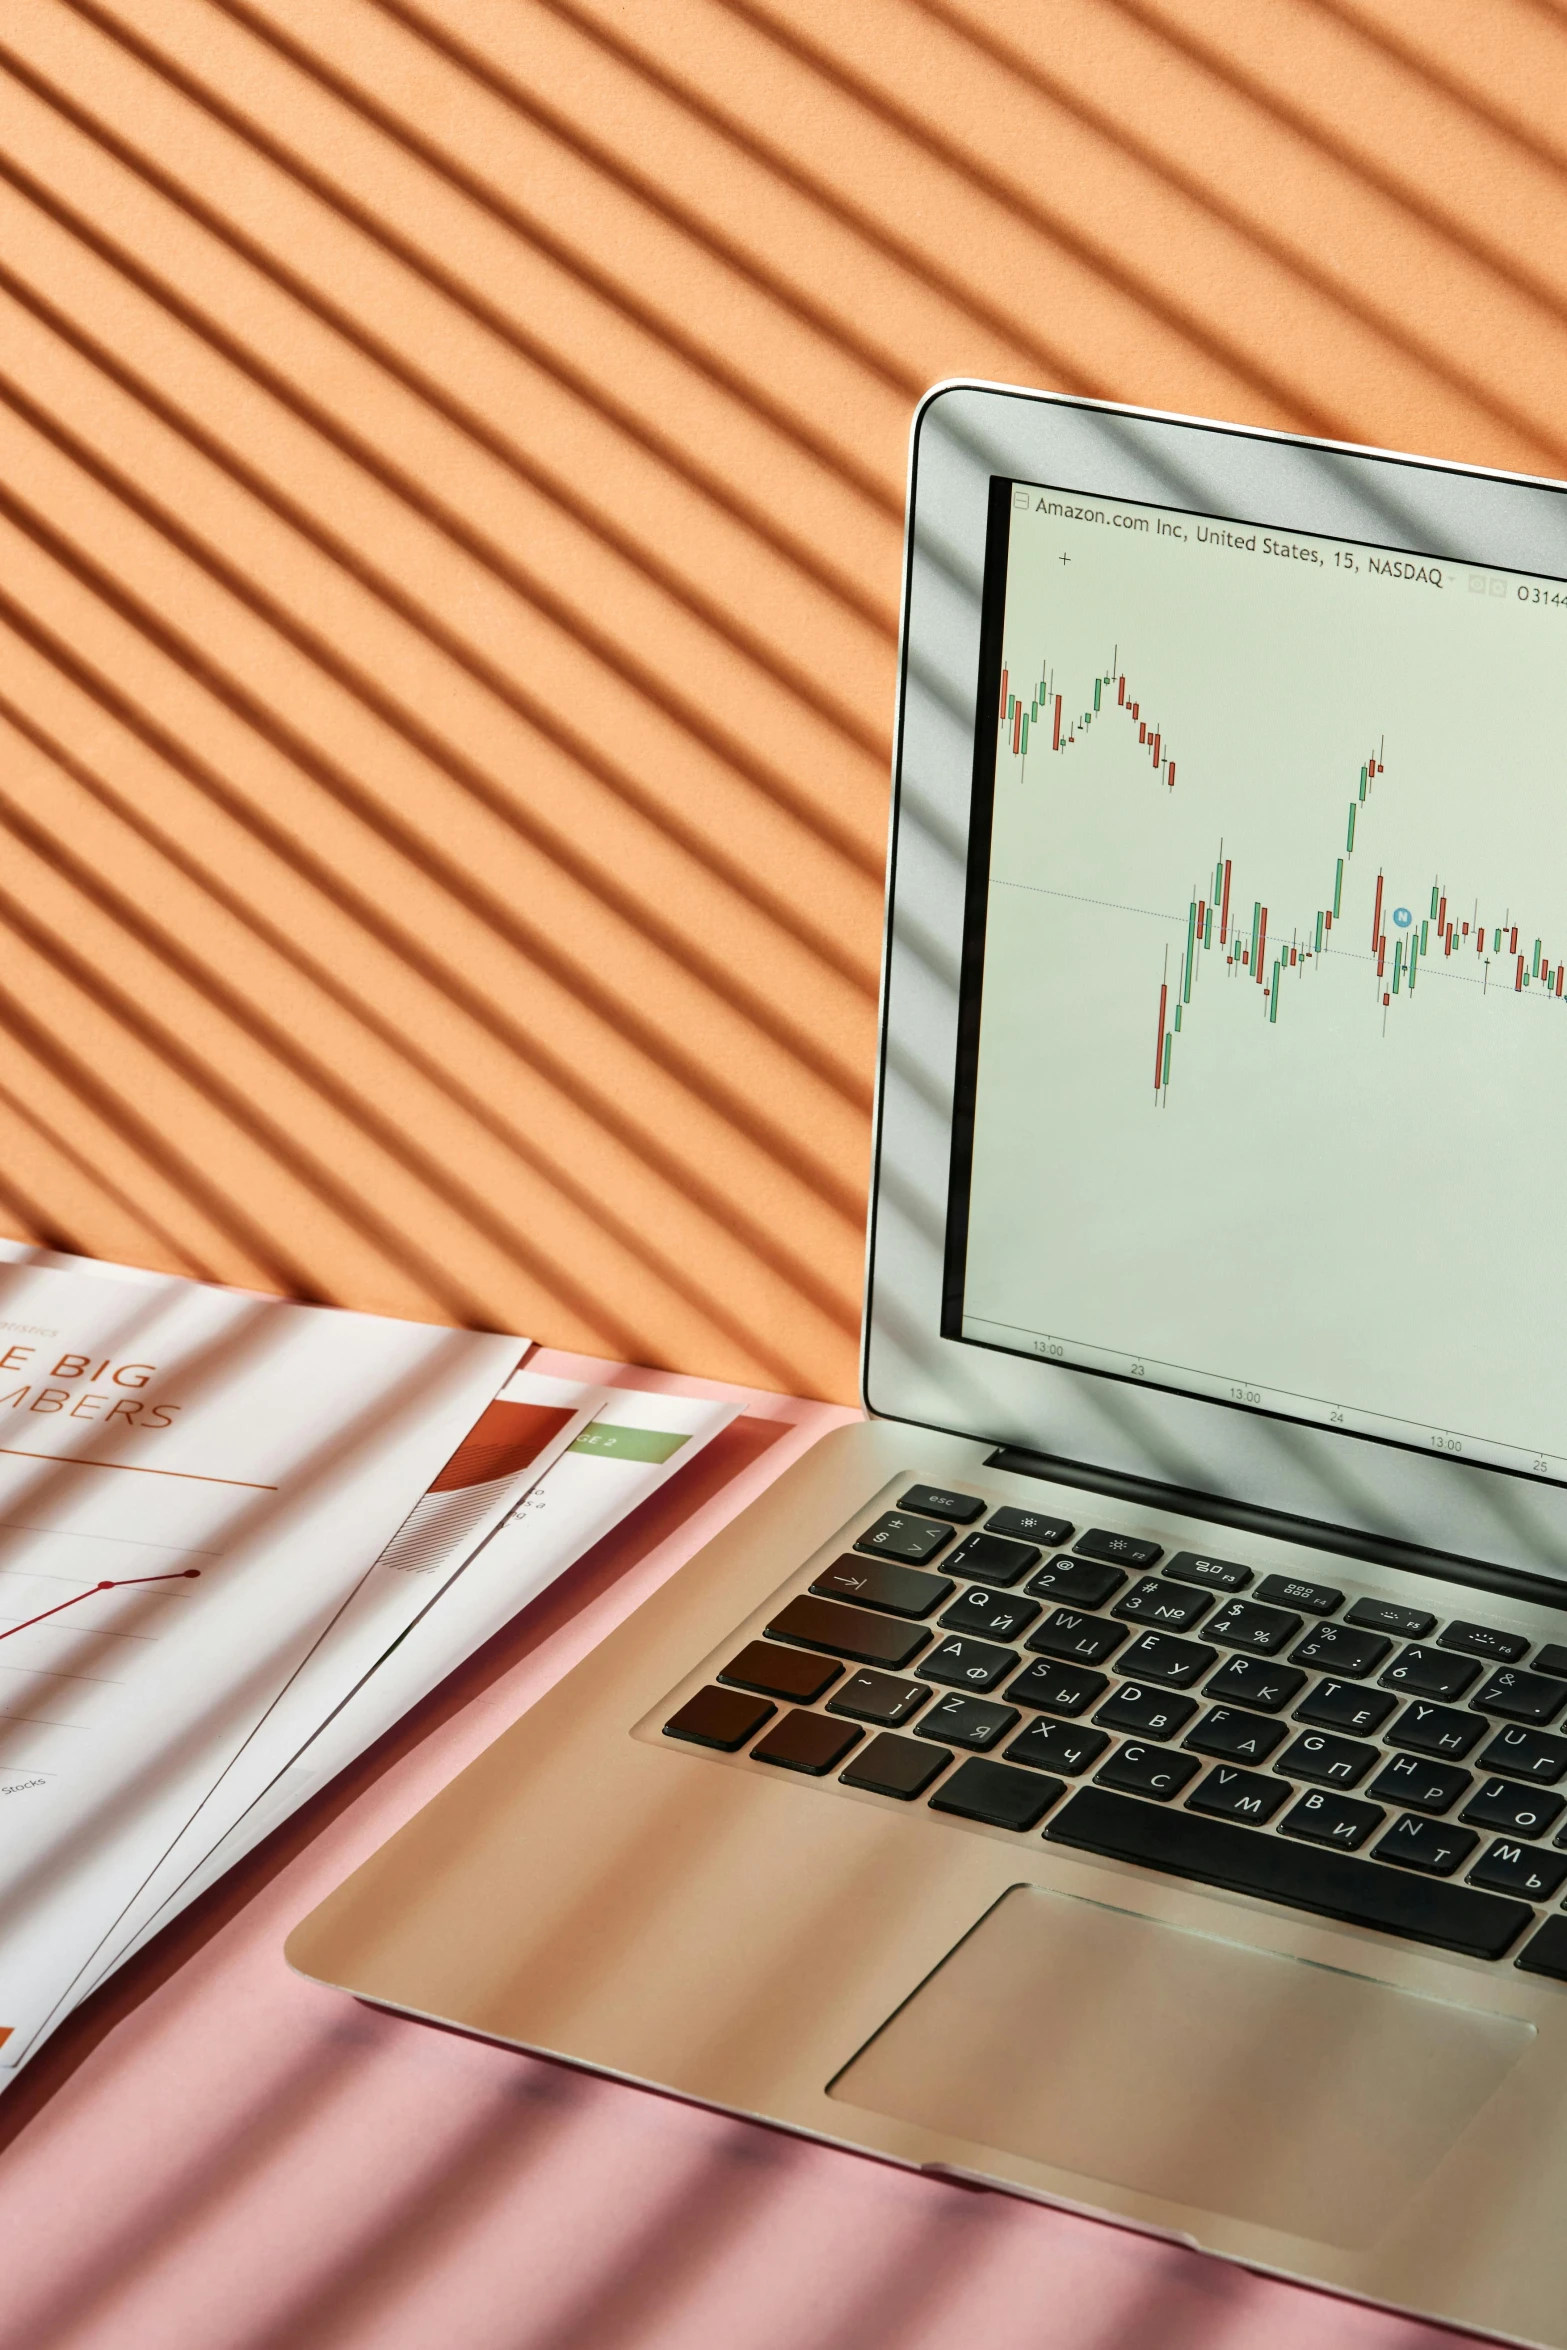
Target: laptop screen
(1262, 1072)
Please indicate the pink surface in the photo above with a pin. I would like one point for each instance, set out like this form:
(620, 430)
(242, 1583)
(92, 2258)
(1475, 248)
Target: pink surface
(215, 2153)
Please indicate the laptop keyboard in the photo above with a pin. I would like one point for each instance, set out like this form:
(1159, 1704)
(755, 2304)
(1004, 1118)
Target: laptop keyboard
(1356, 1758)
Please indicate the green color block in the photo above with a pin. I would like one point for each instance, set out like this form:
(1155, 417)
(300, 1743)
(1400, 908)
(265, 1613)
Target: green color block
(629, 1444)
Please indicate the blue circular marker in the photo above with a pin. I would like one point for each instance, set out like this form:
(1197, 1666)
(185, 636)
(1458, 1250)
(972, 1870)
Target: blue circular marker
(1402, 917)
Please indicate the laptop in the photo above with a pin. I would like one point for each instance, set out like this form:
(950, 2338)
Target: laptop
(1130, 1768)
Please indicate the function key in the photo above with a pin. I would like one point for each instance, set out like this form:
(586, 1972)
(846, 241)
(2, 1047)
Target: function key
(899, 1591)
(1522, 1869)
(877, 1697)
(996, 1794)
(1521, 1697)
(994, 1614)
(1191, 1566)
(1384, 1615)
(854, 1632)
(1503, 1648)
(989, 1559)
(913, 1540)
(1077, 1581)
(894, 1766)
(1515, 1811)
(1430, 1846)
(806, 1742)
(1332, 1819)
(1118, 1550)
(1314, 1599)
(1153, 1602)
(719, 1717)
(1029, 1526)
(1245, 1623)
(935, 1501)
(1426, 1672)
(1333, 1648)
(781, 1672)
(1552, 1659)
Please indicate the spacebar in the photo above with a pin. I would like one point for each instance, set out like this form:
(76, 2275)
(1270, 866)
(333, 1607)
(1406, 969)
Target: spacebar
(1361, 1892)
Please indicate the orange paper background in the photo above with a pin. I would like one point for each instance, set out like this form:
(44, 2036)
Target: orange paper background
(451, 468)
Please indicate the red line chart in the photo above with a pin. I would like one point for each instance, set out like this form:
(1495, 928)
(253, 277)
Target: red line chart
(110, 1583)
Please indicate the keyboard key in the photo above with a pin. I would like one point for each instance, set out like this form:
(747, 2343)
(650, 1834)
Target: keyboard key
(1327, 1759)
(1246, 1680)
(1077, 1581)
(898, 1591)
(1521, 1697)
(1146, 1713)
(1079, 1639)
(1526, 1754)
(1516, 1811)
(971, 1722)
(1333, 1819)
(1229, 1794)
(997, 1794)
(1235, 1736)
(1384, 1615)
(1552, 1658)
(985, 1558)
(1487, 1640)
(781, 1672)
(1191, 1566)
(1546, 1954)
(894, 1766)
(806, 1742)
(1334, 1648)
(1522, 1869)
(1029, 1526)
(1245, 1623)
(1051, 1746)
(1148, 1770)
(1057, 1689)
(967, 1664)
(994, 1614)
(1277, 1868)
(1420, 1785)
(1154, 1656)
(878, 1698)
(1428, 1845)
(939, 1501)
(1427, 1672)
(1117, 1550)
(913, 1540)
(854, 1632)
(1313, 1599)
(1340, 1705)
(1153, 1601)
(719, 1717)
(1437, 1729)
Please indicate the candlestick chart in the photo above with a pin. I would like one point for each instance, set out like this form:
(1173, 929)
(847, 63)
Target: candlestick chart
(1275, 955)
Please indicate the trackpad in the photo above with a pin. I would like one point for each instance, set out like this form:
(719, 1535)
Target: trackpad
(1184, 2066)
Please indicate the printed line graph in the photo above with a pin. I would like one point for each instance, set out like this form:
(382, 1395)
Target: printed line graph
(1401, 942)
(110, 1583)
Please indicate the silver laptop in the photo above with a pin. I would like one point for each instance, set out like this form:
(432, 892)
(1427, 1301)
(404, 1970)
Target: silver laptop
(1131, 1768)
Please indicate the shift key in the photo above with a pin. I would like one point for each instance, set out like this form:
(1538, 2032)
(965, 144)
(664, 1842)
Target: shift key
(901, 1591)
(854, 1632)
